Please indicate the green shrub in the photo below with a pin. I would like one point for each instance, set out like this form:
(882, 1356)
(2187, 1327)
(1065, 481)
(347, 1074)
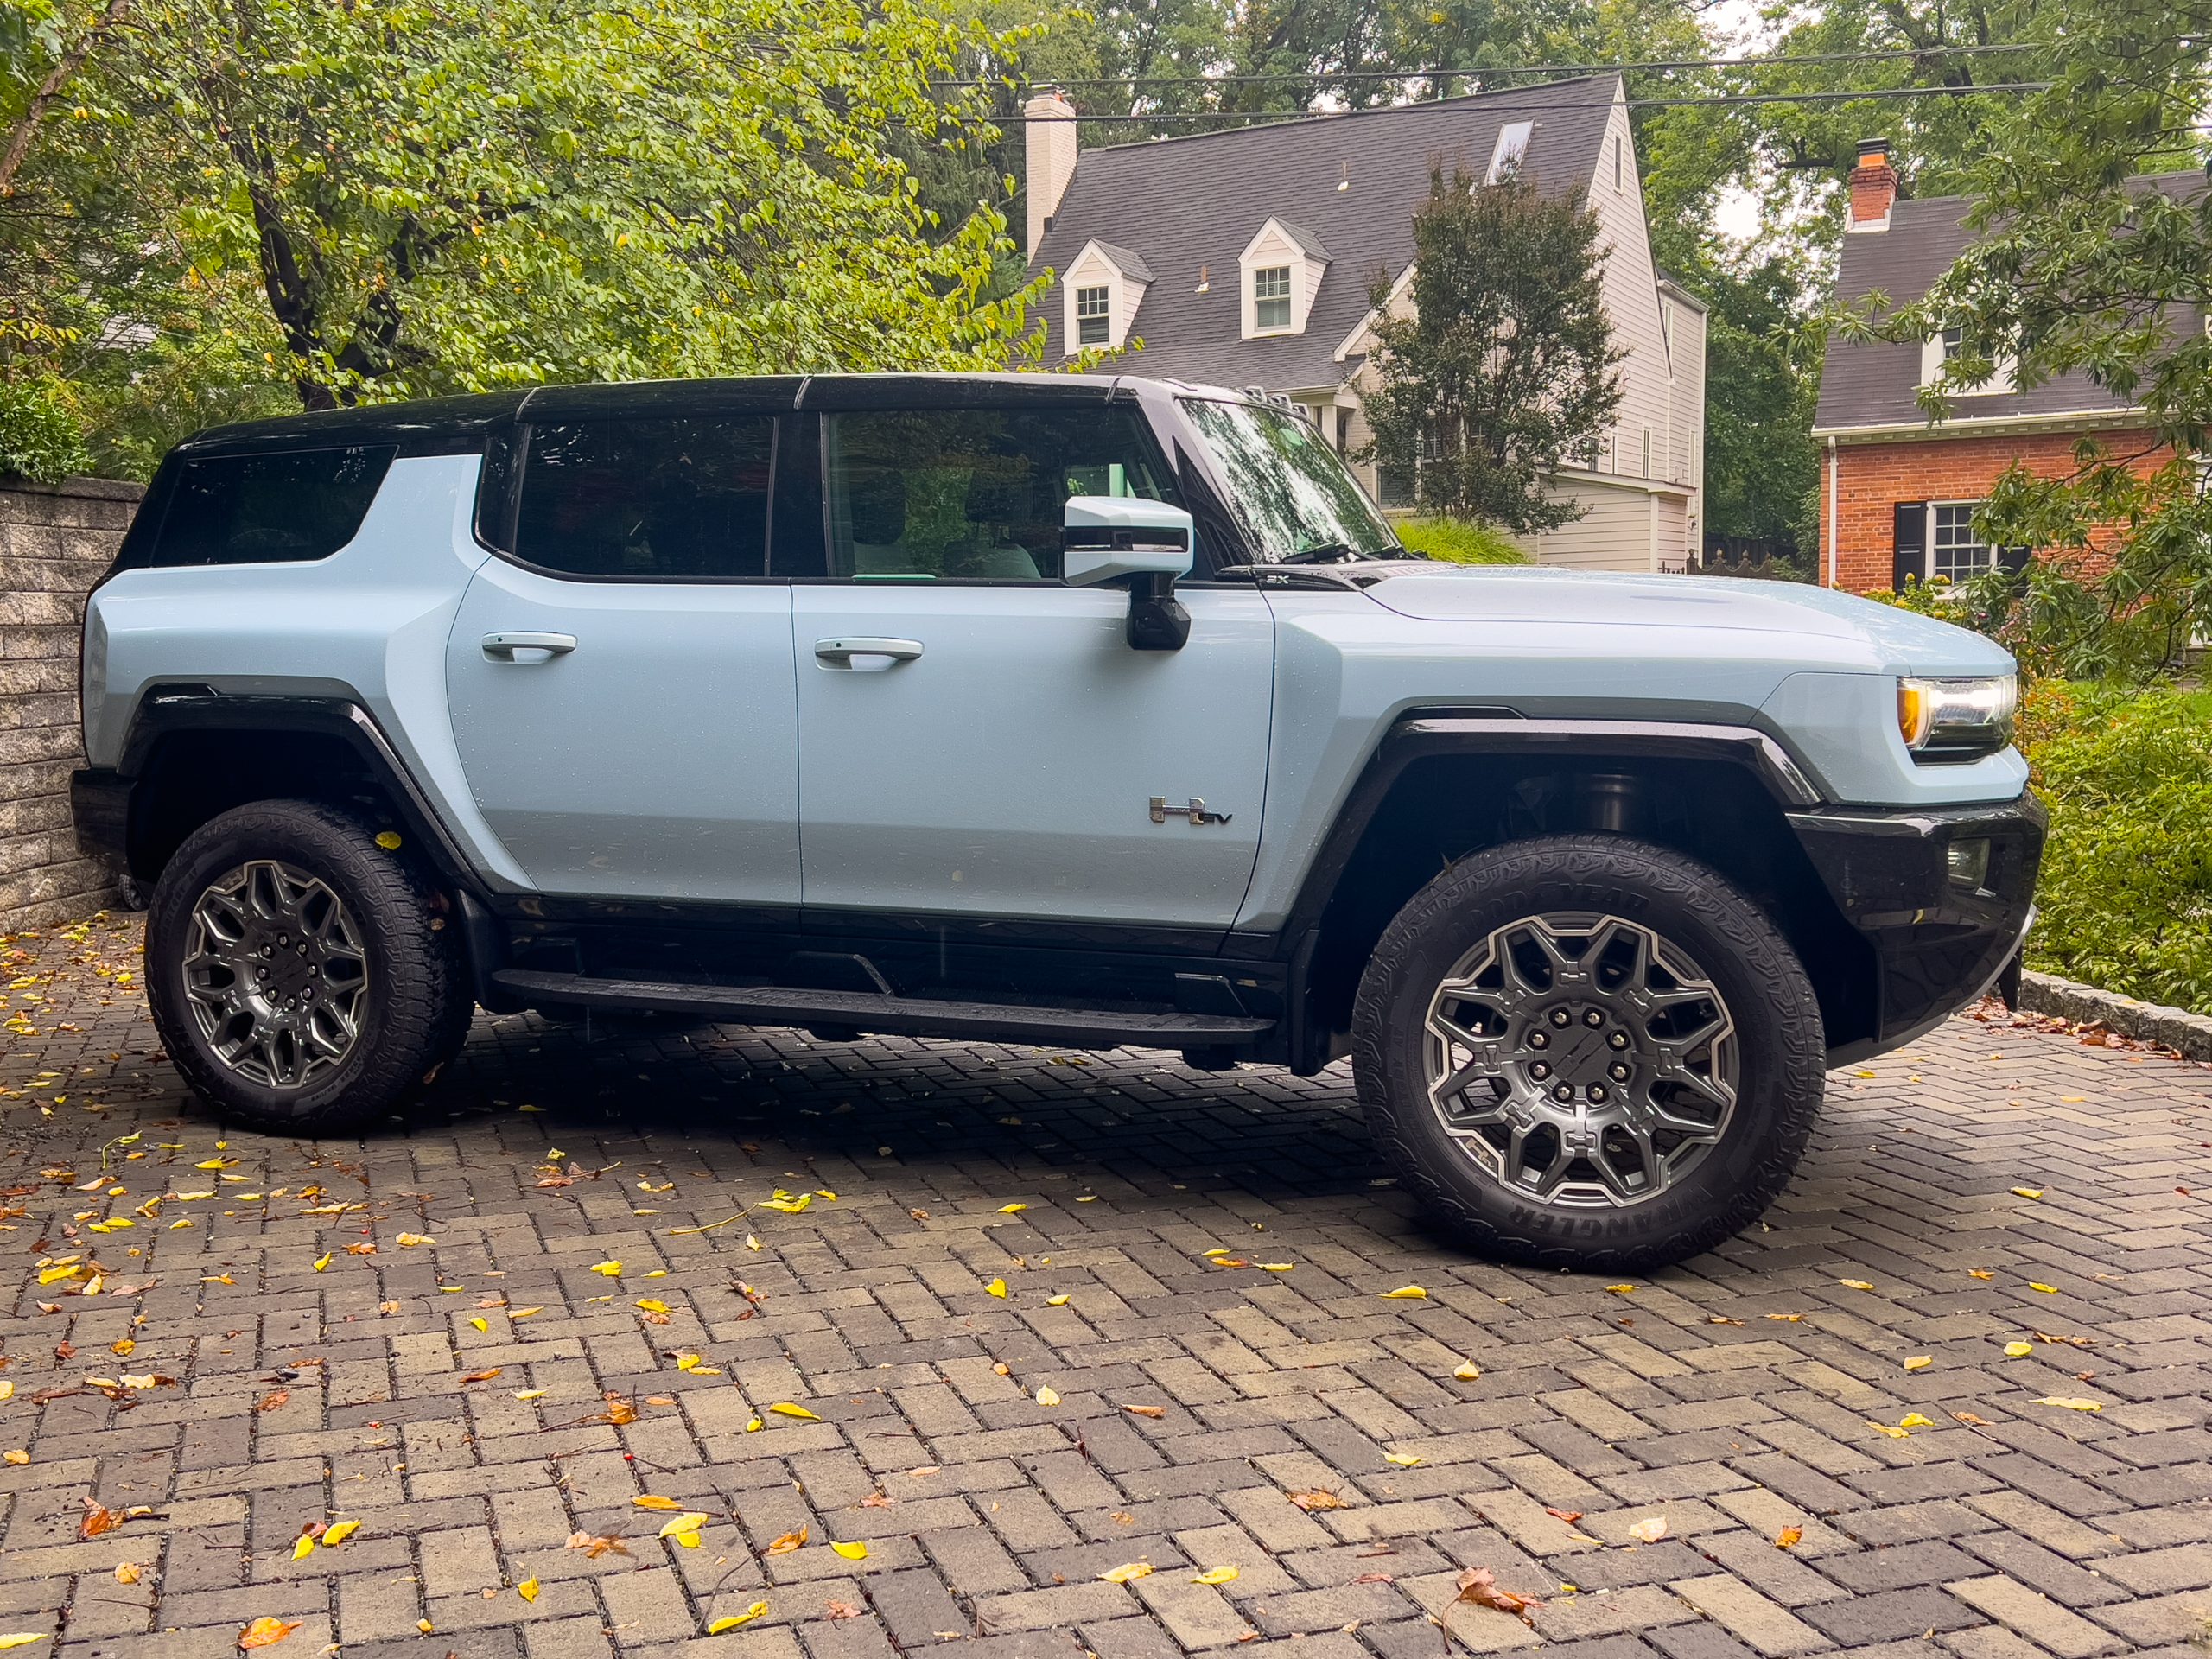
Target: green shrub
(40, 438)
(2127, 891)
(1457, 542)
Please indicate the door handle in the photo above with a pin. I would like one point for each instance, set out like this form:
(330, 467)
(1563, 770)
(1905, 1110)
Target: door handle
(502, 648)
(845, 649)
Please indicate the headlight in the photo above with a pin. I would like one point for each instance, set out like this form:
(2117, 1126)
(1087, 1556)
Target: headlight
(1957, 719)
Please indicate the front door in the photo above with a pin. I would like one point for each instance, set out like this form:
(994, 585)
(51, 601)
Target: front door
(621, 688)
(977, 739)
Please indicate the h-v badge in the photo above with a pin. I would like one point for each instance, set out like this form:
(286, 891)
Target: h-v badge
(1195, 811)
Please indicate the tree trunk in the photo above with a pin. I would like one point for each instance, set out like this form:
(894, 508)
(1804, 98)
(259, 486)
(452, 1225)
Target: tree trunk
(25, 127)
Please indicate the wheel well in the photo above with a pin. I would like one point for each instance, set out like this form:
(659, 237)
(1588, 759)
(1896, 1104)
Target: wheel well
(193, 776)
(1444, 808)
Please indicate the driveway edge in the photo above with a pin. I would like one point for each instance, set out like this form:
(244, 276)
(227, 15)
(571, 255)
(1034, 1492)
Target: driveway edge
(2186, 1034)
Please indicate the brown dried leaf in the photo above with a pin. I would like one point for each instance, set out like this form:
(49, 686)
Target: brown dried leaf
(273, 1399)
(1477, 1584)
(99, 1518)
(878, 1501)
(1568, 1515)
(620, 1412)
(361, 1248)
(266, 1633)
(788, 1543)
(480, 1377)
(840, 1609)
(1789, 1537)
(1318, 1500)
(1146, 1411)
(596, 1544)
(1377, 1578)
(1970, 1419)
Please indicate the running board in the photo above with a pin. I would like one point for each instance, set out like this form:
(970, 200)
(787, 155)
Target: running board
(872, 1011)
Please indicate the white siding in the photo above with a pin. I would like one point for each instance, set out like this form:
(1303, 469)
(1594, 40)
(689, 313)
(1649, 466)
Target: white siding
(1686, 417)
(1614, 534)
(1631, 298)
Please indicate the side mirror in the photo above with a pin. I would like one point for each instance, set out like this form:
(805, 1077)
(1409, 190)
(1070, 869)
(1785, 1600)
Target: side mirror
(1113, 538)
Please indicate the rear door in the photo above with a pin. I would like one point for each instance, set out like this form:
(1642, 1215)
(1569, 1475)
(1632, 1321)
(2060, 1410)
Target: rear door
(977, 739)
(621, 682)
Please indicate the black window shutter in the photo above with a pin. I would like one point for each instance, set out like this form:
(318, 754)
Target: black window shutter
(1912, 544)
(2014, 558)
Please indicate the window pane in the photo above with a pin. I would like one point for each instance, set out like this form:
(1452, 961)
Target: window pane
(975, 494)
(269, 509)
(1957, 552)
(1271, 297)
(672, 499)
(1287, 484)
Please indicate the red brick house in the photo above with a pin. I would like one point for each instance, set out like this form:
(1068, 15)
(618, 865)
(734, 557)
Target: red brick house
(1898, 491)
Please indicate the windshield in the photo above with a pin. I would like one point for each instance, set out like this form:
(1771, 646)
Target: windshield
(1295, 496)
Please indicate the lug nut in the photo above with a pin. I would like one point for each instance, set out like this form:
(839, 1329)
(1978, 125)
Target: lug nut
(1564, 1092)
(1597, 1093)
(1540, 1070)
(1593, 1019)
(1559, 1016)
(1618, 1073)
(1540, 1039)
(1617, 1039)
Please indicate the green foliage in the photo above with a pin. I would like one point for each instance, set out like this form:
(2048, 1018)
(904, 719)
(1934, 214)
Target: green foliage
(1456, 541)
(2126, 897)
(1502, 372)
(1762, 380)
(375, 201)
(40, 438)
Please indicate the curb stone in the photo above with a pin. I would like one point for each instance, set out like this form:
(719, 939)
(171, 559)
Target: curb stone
(2188, 1034)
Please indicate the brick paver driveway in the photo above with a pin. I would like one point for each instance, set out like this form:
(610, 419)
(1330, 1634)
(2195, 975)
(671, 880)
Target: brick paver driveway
(516, 1340)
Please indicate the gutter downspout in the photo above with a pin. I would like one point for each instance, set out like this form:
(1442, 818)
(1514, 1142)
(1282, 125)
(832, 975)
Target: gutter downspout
(1835, 555)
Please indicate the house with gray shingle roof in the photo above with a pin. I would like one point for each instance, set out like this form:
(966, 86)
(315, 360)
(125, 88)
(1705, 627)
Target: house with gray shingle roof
(1247, 259)
(1898, 490)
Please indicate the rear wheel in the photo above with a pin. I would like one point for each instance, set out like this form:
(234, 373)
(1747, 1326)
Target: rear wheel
(1587, 1052)
(300, 975)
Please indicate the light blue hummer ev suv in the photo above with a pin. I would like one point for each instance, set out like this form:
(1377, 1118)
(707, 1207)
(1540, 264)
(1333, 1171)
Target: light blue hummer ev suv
(1077, 711)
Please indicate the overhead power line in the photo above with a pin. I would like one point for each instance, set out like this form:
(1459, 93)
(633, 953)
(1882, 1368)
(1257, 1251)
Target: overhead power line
(1506, 101)
(1494, 71)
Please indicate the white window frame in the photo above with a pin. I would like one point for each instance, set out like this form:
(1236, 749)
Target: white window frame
(1278, 280)
(1939, 347)
(1090, 269)
(1510, 154)
(1934, 548)
(1278, 246)
(1094, 315)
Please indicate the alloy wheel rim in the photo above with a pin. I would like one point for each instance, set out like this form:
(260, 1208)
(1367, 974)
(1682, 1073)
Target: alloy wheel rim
(1581, 1060)
(276, 975)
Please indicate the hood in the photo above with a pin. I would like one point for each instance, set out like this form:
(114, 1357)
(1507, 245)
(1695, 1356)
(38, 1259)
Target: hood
(1836, 629)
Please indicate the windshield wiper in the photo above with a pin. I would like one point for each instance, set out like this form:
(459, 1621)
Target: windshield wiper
(1325, 553)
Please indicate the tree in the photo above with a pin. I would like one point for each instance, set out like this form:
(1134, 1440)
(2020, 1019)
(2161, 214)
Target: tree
(2078, 267)
(1499, 369)
(372, 200)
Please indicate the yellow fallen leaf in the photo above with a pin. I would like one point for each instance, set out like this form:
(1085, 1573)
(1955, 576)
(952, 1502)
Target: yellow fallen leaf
(786, 1205)
(22, 1639)
(1854, 1284)
(1276, 1267)
(52, 1274)
(2027, 1191)
(337, 1532)
(1914, 1419)
(1919, 1363)
(408, 1241)
(1980, 1273)
(654, 1501)
(2071, 1403)
(266, 1632)
(322, 1262)
(1126, 1572)
(216, 1163)
(610, 1269)
(303, 1548)
(1468, 1370)
(2018, 1349)
(1862, 1074)
(1012, 1209)
(1403, 1459)
(527, 1589)
(784, 1408)
(1620, 1290)
(651, 1304)
(18, 1457)
(523, 1314)
(997, 1287)
(389, 840)
(1047, 1396)
(2048, 1290)
(1216, 1575)
(852, 1552)
(1894, 1434)
(529, 1394)
(754, 1426)
(479, 1323)
(127, 1572)
(1649, 1531)
(1405, 1293)
(1217, 1251)
(1789, 1537)
(7, 1391)
(731, 1621)
(689, 1522)
(1060, 1300)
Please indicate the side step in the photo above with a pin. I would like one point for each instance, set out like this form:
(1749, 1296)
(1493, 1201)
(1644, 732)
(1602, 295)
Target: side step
(872, 1011)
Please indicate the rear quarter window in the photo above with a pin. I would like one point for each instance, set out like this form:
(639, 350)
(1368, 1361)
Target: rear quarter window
(280, 507)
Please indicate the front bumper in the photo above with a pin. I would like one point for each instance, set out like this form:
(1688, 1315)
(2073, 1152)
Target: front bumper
(99, 802)
(1940, 938)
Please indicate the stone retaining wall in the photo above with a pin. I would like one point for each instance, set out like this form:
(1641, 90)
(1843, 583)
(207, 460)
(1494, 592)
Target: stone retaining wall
(56, 542)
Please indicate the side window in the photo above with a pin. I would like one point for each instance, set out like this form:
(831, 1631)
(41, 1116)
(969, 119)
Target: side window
(271, 508)
(682, 498)
(975, 494)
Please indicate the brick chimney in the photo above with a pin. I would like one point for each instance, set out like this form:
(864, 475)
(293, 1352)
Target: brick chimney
(1051, 152)
(1873, 186)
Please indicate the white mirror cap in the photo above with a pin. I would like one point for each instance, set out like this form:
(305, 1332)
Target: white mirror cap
(1093, 567)
(1124, 521)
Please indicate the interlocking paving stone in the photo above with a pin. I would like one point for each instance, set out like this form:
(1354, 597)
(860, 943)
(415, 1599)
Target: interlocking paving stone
(1735, 1397)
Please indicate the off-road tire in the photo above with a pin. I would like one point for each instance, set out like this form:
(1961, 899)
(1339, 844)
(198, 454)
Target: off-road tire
(417, 1006)
(1781, 1055)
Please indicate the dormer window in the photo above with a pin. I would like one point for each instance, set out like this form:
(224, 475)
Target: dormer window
(1511, 151)
(1271, 297)
(1094, 308)
(1102, 289)
(1281, 271)
(1940, 348)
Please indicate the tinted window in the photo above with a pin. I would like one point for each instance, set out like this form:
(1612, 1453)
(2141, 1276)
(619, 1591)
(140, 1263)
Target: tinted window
(975, 494)
(673, 499)
(1293, 493)
(273, 508)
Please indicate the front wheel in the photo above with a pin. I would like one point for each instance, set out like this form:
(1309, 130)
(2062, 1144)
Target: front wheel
(1585, 1051)
(299, 973)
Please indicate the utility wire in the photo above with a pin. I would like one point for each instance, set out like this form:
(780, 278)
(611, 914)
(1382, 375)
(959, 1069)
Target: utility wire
(1489, 72)
(1506, 101)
